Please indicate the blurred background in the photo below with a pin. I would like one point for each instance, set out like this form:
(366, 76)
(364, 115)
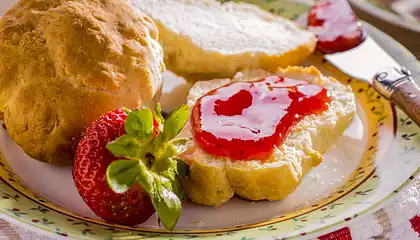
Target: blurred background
(398, 18)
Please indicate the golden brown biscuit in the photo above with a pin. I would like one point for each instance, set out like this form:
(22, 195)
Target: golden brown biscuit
(64, 63)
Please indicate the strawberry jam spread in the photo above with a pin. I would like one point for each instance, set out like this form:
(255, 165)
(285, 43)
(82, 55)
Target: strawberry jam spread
(247, 120)
(336, 26)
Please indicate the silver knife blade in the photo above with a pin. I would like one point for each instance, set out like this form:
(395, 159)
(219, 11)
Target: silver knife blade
(364, 61)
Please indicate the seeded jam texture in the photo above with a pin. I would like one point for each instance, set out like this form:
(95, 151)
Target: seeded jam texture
(247, 120)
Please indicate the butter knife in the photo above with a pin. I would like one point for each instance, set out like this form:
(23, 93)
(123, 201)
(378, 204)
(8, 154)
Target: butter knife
(370, 63)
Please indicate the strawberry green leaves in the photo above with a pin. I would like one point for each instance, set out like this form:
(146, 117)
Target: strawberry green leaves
(179, 145)
(139, 124)
(175, 122)
(139, 129)
(182, 168)
(166, 203)
(122, 174)
(126, 146)
(158, 114)
(152, 161)
(174, 147)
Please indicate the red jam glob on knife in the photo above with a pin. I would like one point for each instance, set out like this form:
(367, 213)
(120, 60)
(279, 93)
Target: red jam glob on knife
(336, 26)
(246, 120)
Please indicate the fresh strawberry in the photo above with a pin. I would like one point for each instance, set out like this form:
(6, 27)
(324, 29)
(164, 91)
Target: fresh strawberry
(336, 26)
(125, 166)
(89, 172)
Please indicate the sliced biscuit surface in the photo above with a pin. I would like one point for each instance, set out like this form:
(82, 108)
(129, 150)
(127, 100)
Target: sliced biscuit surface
(214, 180)
(204, 39)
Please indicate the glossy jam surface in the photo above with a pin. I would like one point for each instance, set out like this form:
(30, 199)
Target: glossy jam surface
(245, 121)
(336, 26)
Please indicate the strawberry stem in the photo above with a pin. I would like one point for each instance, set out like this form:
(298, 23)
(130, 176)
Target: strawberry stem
(154, 163)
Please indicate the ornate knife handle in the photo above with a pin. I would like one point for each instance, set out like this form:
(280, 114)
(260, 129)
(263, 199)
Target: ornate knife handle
(397, 85)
